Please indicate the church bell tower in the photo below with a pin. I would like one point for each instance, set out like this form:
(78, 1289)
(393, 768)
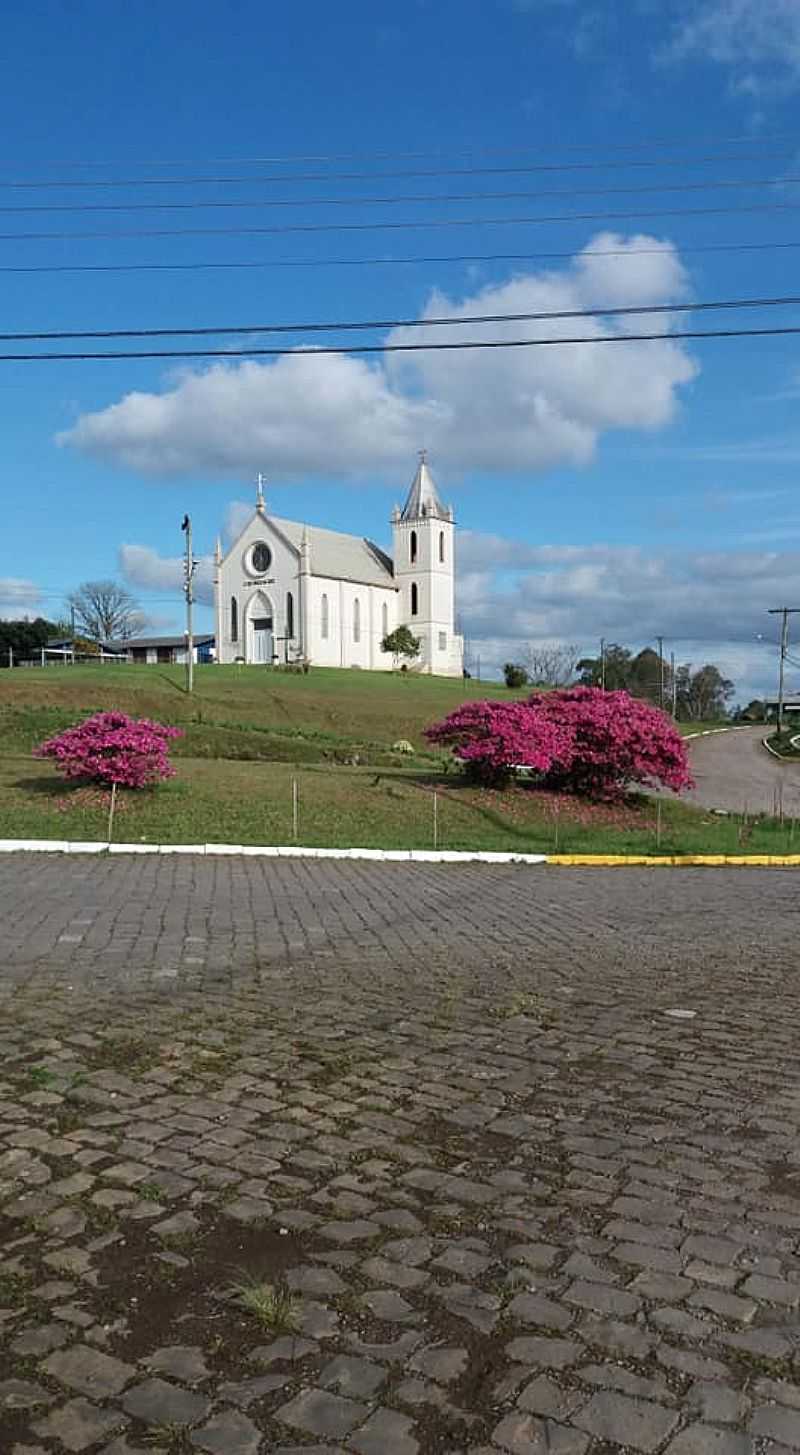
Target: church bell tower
(424, 569)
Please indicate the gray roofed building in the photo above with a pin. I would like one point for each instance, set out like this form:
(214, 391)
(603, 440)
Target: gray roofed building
(339, 556)
(423, 497)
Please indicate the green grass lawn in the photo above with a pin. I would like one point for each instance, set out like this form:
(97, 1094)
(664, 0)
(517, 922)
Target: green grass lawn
(251, 803)
(249, 733)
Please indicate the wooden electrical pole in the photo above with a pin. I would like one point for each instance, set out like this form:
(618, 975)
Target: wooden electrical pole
(188, 573)
(660, 641)
(784, 612)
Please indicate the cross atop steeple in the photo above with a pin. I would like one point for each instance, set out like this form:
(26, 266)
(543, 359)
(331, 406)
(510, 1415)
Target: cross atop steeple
(260, 483)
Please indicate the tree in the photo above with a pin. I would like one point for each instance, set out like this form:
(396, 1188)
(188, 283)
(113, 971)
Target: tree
(515, 675)
(401, 643)
(618, 669)
(25, 638)
(755, 711)
(111, 748)
(551, 666)
(702, 696)
(105, 611)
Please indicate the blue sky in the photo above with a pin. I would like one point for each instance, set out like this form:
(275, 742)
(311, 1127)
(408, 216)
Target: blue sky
(617, 490)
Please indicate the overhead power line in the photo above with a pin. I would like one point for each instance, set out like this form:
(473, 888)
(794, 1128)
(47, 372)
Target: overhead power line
(252, 179)
(656, 143)
(522, 343)
(420, 224)
(390, 262)
(611, 310)
(359, 200)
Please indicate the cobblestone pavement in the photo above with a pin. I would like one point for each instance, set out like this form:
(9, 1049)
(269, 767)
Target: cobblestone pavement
(302, 1157)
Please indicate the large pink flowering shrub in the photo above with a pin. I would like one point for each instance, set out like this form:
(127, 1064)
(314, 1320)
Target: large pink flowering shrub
(580, 739)
(493, 738)
(111, 748)
(616, 741)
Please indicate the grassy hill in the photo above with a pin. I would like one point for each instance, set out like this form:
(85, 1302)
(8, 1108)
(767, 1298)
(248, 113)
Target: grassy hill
(255, 738)
(239, 712)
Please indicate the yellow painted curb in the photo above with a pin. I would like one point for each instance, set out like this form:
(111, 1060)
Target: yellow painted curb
(676, 861)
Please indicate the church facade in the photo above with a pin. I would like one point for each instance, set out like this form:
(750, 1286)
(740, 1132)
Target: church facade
(288, 592)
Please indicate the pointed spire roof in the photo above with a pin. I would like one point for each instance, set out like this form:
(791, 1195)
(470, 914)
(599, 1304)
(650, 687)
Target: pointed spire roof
(423, 498)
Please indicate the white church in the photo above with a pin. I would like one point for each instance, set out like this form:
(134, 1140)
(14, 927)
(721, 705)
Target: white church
(288, 592)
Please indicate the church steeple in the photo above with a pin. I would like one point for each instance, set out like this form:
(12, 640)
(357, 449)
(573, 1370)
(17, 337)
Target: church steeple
(423, 499)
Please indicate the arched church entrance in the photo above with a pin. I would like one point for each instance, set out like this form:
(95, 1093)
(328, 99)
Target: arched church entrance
(260, 630)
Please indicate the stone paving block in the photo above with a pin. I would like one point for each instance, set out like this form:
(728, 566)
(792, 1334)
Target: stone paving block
(89, 1371)
(522, 1434)
(158, 1403)
(624, 1421)
(182, 1362)
(228, 1433)
(440, 1363)
(23, 1394)
(776, 1422)
(772, 1290)
(716, 1403)
(602, 1299)
(32, 1343)
(385, 1433)
(704, 1440)
(357, 1378)
(544, 1397)
(79, 1424)
(727, 1305)
(530, 1308)
(316, 1412)
(544, 1353)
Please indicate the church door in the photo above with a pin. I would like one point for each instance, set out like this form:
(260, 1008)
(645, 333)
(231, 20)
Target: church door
(259, 631)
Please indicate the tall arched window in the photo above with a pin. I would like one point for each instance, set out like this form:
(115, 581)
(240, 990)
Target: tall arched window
(356, 620)
(289, 614)
(414, 599)
(413, 546)
(234, 619)
(441, 545)
(384, 620)
(324, 617)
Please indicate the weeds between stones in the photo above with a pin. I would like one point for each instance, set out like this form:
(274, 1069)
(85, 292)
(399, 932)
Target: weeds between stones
(272, 1304)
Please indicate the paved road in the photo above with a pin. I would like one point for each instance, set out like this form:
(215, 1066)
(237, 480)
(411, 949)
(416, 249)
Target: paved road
(734, 771)
(517, 1204)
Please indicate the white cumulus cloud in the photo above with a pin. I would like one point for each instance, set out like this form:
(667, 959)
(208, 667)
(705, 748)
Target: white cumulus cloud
(758, 39)
(19, 598)
(145, 570)
(520, 409)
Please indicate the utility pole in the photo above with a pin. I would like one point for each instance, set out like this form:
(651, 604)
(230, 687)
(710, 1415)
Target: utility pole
(603, 663)
(660, 641)
(674, 681)
(785, 612)
(189, 568)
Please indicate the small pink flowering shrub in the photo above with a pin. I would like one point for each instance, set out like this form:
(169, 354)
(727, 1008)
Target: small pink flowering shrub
(580, 740)
(111, 747)
(493, 738)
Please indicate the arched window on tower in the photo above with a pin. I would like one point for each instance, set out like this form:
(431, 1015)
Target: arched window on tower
(325, 618)
(413, 546)
(234, 619)
(441, 545)
(384, 620)
(289, 614)
(356, 620)
(414, 599)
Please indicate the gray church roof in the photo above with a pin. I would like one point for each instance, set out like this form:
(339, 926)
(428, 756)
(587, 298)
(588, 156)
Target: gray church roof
(342, 557)
(423, 498)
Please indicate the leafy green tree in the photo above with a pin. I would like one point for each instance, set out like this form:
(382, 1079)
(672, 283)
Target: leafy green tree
(25, 638)
(702, 696)
(401, 643)
(515, 675)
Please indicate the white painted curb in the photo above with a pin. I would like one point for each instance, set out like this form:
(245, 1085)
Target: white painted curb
(709, 732)
(267, 851)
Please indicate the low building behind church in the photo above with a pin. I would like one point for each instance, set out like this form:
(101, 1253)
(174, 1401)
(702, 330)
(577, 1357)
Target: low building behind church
(288, 592)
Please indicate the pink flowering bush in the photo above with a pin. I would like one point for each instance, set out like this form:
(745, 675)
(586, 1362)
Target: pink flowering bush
(616, 741)
(491, 739)
(579, 740)
(112, 748)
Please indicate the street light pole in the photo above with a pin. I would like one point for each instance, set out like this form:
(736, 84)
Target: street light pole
(660, 641)
(784, 612)
(189, 567)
